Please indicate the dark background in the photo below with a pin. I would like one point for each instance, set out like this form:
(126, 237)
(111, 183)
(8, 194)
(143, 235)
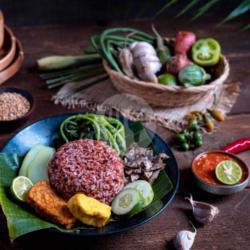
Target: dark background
(43, 12)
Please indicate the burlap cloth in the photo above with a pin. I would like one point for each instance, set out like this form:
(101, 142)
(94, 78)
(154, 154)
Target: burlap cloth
(104, 98)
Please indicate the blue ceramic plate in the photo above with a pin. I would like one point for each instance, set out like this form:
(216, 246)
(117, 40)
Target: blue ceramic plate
(46, 131)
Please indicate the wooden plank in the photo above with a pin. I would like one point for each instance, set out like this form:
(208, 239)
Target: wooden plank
(230, 229)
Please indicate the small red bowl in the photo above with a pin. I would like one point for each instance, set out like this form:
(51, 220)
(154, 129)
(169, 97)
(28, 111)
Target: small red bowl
(7, 126)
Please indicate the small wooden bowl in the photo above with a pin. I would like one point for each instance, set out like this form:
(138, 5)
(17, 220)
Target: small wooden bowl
(7, 126)
(15, 64)
(8, 49)
(1, 29)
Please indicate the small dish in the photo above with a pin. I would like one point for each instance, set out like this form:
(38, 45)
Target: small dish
(221, 189)
(15, 64)
(1, 29)
(8, 49)
(6, 126)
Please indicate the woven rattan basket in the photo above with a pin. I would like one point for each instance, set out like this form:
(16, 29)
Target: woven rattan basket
(169, 96)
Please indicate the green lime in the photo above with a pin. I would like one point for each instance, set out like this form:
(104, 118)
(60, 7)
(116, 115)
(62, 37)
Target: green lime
(167, 79)
(20, 186)
(228, 172)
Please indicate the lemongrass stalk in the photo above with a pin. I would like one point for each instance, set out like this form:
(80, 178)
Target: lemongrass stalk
(62, 62)
(55, 74)
(78, 77)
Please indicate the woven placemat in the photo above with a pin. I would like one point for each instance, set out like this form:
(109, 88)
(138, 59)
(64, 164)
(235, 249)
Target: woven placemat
(104, 98)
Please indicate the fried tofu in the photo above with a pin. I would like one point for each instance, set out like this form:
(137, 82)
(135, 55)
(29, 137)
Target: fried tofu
(49, 205)
(89, 210)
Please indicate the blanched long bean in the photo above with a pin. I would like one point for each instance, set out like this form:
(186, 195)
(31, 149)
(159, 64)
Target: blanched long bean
(98, 127)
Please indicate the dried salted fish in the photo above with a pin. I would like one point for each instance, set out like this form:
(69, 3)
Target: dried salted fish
(140, 163)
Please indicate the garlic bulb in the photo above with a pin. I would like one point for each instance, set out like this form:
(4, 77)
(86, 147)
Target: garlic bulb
(203, 212)
(184, 239)
(146, 61)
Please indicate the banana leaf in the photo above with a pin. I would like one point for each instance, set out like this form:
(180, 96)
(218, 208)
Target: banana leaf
(21, 219)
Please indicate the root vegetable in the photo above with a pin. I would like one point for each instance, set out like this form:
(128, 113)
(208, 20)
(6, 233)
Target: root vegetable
(176, 63)
(184, 42)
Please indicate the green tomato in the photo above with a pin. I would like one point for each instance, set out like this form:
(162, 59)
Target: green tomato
(206, 52)
(167, 79)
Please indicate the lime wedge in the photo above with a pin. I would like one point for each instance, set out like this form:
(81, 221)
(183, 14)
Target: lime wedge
(20, 186)
(228, 172)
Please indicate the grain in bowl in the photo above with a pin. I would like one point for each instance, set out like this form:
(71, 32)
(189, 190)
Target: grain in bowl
(13, 106)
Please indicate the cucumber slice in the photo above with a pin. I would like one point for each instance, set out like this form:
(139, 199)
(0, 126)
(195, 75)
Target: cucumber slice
(128, 202)
(28, 159)
(38, 168)
(144, 188)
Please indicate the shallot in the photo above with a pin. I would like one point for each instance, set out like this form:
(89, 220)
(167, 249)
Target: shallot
(176, 63)
(126, 61)
(184, 42)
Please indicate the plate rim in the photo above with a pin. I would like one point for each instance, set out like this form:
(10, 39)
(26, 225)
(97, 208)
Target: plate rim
(77, 232)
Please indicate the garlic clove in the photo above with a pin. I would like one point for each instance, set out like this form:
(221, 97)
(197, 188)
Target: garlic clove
(184, 239)
(203, 212)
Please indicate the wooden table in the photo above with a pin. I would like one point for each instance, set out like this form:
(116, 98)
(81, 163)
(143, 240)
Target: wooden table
(230, 229)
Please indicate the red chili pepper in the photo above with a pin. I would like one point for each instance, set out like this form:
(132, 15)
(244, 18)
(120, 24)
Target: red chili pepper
(238, 146)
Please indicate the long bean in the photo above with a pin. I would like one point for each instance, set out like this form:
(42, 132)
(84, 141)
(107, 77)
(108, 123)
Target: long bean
(96, 127)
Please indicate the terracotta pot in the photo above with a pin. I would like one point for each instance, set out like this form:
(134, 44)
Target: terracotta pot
(15, 64)
(8, 49)
(1, 29)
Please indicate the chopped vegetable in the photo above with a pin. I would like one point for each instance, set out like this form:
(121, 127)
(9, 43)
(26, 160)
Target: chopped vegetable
(144, 188)
(228, 172)
(193, 75)
(20, 187)
(128, 202)
(89, 210)
(38, 167)
(206, 52)
(176, 63)
(184, 42)
(167, 79)
(29, 157)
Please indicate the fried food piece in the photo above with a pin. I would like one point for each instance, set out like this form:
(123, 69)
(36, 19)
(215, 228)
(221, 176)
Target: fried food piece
(89, 210)
(47, 203)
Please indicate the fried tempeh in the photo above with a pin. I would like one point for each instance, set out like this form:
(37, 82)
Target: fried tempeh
(47, 203)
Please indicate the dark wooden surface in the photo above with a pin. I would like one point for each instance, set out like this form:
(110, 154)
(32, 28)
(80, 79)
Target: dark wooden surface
(231, 229)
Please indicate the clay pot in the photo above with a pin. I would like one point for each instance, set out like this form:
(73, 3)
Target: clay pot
(1, 29)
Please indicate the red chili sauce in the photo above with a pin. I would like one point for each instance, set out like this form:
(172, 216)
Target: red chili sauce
(204, 166)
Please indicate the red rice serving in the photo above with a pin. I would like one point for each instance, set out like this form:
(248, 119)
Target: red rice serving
(87, 166)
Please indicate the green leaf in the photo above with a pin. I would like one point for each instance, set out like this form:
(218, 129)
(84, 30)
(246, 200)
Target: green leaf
(204, 8)
(246, 27)
(187, 7)
(162, 9)
(239, 10)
